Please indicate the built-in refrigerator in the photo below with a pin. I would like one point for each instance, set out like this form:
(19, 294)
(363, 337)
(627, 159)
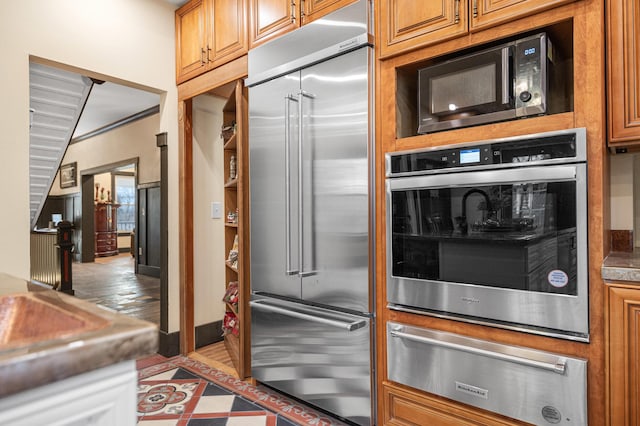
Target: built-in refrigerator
(311, 201)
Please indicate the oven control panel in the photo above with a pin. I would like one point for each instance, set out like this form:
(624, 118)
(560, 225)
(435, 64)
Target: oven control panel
(503, 152)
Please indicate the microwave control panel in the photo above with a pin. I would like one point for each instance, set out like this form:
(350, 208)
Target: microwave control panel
(537, 150)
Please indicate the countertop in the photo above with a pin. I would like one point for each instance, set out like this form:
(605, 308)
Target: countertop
(46, 336)
(622, 266)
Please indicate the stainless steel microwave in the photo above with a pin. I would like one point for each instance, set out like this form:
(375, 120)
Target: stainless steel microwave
(505, 82)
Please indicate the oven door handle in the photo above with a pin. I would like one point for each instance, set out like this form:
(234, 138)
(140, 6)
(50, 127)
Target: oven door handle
(558, 365)
(489, 177)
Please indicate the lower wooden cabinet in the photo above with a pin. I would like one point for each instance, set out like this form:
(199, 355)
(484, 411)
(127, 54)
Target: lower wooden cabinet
(623, 343)
(407, 407)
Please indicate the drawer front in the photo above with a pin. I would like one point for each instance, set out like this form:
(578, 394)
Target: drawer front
(524, 384)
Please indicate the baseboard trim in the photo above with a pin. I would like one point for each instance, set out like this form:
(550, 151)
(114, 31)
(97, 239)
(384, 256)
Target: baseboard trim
(152, 271)
(169, 343)
(207, 334)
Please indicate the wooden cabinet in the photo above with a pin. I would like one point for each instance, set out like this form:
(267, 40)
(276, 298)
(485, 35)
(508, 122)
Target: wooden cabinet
(405, 407)
(623, 76)
(406, 24)
(271, 18)
(236, 235)
(623, 343)
(106, 232)
(208, 34)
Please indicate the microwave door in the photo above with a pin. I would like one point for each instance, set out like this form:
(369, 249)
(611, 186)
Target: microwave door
(466, 91)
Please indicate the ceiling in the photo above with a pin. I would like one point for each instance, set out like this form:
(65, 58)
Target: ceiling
(111, 103)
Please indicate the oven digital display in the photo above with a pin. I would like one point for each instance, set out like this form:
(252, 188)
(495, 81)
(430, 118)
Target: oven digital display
(469, 156)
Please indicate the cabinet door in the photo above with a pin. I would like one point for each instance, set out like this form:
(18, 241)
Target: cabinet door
(270, 18)
(314, 9)
(623, 79)
(191, 39)
(486, 13)
(229, 32)
(624, 355)
(409, 24)
(403, 407)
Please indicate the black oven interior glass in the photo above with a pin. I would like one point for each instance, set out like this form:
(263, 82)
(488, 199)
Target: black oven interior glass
(512, 235)
(495, 230)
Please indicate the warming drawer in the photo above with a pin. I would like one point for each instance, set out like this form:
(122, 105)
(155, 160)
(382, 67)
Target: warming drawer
(530, 385)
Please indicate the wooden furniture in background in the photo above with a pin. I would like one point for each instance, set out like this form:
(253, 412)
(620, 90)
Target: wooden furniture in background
(208, 34)
(106, 229)
(407, 25)
(236, 235)
(623, 75)
(623, 343)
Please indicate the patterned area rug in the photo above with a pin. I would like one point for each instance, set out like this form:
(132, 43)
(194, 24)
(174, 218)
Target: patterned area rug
(181, 391)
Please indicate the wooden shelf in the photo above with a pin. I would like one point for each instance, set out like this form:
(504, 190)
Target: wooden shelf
(232, 183)
(232, 307)
(228, 264)
(230, 145)
(230, 225)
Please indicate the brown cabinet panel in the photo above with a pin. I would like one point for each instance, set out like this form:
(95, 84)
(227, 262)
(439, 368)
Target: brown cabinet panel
(408, 24)
(208, 34)
(624, 355)
(486, 13)
(314, 9)
(229, 32)
(623, 77)
(404, 408)
(270, 18)
(190, 39)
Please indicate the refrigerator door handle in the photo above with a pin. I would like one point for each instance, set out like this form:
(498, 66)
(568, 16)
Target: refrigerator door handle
(301, 95)
(287, 190)
(310, 315)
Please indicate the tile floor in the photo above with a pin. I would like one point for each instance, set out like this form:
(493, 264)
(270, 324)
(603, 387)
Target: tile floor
(180, 391)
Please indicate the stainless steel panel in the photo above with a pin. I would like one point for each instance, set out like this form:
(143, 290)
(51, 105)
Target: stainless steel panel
(335, 181)
(317, 355)
(338, 32)
(273, 145)
(557, 314)
(525, 384)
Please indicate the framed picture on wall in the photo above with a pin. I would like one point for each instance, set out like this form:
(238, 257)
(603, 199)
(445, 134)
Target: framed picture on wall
(68, 175)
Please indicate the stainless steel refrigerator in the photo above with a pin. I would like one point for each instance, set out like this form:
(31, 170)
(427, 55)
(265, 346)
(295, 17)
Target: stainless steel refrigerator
(311, 200)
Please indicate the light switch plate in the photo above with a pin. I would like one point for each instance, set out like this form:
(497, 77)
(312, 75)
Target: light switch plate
(216, 210)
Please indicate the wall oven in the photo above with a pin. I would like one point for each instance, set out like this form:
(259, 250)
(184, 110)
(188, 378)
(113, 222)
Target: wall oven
(492, 232)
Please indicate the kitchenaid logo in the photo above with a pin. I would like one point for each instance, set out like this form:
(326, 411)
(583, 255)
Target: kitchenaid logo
(348, 44)
(469, 299)
(472, 390)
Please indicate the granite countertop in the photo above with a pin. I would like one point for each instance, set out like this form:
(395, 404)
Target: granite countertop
(46, 336)
(622, 266)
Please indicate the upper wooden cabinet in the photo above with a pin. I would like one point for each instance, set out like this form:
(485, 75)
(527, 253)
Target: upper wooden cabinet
(271, 18)
(407, 24)
(623, 78)
(209, 33)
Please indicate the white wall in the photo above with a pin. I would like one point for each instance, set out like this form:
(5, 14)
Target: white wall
(208, 186)
(124, 41)
(622, 209)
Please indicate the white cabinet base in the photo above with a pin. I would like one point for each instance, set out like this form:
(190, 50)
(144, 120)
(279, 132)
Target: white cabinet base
(103, 397)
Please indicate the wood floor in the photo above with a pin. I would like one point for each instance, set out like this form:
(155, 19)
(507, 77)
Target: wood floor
(111, 282)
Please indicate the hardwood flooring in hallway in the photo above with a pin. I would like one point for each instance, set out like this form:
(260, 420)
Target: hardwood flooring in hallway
(112, 282)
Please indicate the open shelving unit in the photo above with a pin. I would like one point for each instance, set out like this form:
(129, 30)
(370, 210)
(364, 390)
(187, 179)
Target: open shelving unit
(236, 322)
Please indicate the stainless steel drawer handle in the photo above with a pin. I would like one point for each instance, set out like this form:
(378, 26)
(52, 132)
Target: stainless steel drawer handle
(557, 367)
(349, 326)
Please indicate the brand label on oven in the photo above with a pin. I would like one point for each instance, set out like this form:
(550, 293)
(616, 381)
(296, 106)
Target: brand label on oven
(558, 278)
(472, 390)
